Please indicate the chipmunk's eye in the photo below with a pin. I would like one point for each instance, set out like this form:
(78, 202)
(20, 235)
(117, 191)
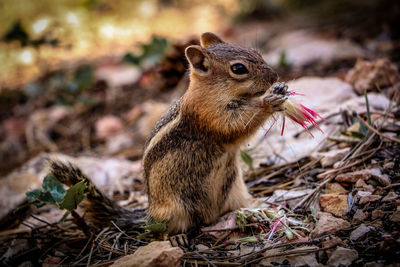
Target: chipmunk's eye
(239, 69)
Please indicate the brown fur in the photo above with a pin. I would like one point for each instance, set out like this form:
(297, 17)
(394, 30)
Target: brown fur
(190, 159)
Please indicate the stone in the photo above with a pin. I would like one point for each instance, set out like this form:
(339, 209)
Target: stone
(395, 216)
(201, 247)
(334, 203)
(360, 183)
(327, 223)
(303, 47)
(335, 188)
(370, 76)
(377, 214)
(352, 177)
(108, 126)
(360, 232)
(383, 179)
(342, 257)
(390, 197)
(359, 216)
(157, 253)
(295, 260)
(361, 194)
(370, 198)
(331, 157)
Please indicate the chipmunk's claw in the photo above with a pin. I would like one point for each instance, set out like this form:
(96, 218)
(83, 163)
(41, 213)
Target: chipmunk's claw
(180, 240)
(280, 88)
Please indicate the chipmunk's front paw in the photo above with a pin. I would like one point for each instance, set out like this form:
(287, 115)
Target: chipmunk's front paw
(180, 240)
(276, 97)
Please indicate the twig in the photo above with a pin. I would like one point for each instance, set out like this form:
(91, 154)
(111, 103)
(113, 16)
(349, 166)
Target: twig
(137, 240)
(216, 263)
(393, 139)
(391, 186)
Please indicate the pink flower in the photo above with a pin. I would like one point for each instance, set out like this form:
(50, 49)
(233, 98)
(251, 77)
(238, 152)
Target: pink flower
(299, 114)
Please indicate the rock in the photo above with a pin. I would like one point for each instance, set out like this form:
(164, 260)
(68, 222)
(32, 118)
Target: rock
(119, 141)
(370, 198)
(327, 223)
(360, 183)
(352, 177)
(383, 179)
(390, 197)
(360, 232)
(395, 216)
(201, 247)
(108, 126)
(377, 214)
(331, 157)
(342, 256)
(295, 260)
(157, 253)
(303, 48)
(361, 194)
(118, 75)
(371, 76)
(335, 188)
(359, 216)
(334, 203)
(378, 224)
(333, 243)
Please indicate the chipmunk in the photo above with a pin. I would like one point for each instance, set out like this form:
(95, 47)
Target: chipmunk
(190, 159)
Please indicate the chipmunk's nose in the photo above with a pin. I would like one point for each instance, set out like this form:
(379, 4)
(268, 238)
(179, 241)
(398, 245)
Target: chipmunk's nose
(270, 74)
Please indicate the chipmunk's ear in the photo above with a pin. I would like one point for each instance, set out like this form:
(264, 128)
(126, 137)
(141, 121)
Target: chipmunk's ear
(208, 38)
(198, 59)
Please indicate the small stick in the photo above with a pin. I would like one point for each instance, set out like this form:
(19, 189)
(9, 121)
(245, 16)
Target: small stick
(393, 139)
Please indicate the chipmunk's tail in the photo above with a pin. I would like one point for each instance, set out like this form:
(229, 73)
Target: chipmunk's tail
(100, 210)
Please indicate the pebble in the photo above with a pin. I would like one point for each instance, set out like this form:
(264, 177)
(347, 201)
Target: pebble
(327, 223)
(334, 203)
(359, 216)
(157, 253)
(342, 257)
(370, 198)
(360, 232)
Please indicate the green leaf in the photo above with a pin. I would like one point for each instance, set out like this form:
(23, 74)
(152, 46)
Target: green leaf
(157, 227)
(247, 158)
(84, 77)
(54, 188)
(74, 195)
(39, 198)
(46, 197)
(32, 196)
(131, 59)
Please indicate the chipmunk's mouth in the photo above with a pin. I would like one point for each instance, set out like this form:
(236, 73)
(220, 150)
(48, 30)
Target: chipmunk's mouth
(251, 95)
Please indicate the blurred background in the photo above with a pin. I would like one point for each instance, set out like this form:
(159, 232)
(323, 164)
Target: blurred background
(92, 76)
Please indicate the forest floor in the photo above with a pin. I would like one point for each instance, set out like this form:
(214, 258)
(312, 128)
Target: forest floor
(332, 199)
